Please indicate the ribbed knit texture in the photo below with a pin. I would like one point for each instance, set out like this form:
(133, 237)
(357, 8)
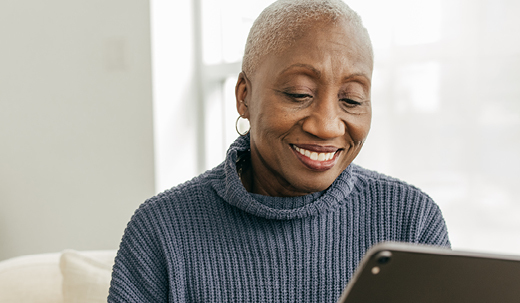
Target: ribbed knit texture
(209, 240)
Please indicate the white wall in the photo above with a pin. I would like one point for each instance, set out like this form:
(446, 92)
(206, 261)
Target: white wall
(76, 140)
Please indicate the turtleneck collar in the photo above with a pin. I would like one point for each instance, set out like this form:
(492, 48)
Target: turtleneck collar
(279, 208)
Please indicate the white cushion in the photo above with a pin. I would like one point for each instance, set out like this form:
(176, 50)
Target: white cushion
(34, 279)
(86, 275)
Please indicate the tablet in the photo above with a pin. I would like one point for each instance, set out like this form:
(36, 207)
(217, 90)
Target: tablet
(400, 273)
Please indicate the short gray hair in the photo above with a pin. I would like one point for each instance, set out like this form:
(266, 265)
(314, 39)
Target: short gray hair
(284, 21)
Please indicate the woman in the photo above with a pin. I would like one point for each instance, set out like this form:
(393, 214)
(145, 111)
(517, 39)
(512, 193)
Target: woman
(287, 216)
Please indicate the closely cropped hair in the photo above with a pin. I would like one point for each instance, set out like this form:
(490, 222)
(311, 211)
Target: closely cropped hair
(284, 21)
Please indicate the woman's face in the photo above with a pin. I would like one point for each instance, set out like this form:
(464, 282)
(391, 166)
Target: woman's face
(309, 110)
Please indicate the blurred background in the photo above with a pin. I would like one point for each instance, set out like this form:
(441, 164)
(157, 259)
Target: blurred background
(105, 103)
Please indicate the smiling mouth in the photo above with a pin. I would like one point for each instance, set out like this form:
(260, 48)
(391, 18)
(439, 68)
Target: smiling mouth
(314, 155)
(319, 159)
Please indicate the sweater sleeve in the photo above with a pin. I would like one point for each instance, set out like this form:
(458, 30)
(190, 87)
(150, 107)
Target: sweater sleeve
(139, 273)
(432, 227)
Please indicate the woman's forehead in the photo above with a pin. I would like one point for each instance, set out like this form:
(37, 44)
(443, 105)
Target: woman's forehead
(334, 50)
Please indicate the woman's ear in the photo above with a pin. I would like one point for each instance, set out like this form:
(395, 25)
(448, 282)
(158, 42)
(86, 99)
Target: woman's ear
(242, 90)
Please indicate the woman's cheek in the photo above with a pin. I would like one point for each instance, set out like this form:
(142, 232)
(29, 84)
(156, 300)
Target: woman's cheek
(358, 128)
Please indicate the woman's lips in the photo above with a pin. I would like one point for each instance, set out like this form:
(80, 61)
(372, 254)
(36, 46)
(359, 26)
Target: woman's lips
(318, 158)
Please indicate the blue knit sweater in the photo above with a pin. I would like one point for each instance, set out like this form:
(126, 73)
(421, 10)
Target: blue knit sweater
(209, 240)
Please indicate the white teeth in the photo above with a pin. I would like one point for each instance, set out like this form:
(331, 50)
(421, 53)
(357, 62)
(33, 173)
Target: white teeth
(314, 155)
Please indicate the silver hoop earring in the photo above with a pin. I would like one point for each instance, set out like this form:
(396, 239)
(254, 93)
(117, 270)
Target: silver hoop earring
(236, 127)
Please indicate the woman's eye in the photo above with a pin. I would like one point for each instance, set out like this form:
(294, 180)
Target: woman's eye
(298, 96)
(350, 102)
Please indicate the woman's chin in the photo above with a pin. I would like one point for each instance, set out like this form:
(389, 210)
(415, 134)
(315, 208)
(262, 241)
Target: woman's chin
(310, 184)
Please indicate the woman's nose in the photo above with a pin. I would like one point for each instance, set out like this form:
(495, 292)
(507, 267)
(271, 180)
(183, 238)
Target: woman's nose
(324, 119)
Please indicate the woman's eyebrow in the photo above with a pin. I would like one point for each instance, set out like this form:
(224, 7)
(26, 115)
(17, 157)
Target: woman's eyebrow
(360, 78)
(318, 73)
(356, 75)
(306, 66)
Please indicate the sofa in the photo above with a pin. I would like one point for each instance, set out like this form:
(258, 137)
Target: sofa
(65, 277)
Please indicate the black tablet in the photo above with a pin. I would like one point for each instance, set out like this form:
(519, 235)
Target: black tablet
(401, 273)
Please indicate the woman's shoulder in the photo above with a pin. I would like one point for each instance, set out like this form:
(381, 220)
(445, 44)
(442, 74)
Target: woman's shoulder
(185, 195)
(401, 203)
(366, 179)
(372, 176)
